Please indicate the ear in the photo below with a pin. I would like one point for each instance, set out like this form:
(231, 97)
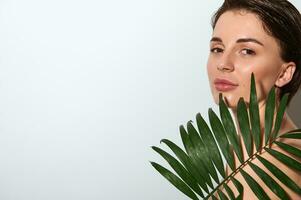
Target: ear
(286, 74)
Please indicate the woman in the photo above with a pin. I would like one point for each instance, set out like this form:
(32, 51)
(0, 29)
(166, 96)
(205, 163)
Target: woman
(261, 37)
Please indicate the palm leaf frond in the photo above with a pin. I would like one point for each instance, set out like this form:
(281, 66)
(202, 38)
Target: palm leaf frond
(181, 171)
(238, 186)
(221, 137)
(231, 130)
(229, 191)
(192, 153)
(292, 135)
(221, 195)
(290, 149)
(211, 145)
(280, 114)
(269, 115)
(183, 157)
(254, 115)
(243, 121)
(201, 151)
(175, 180)
(197, 168)
(290, 162)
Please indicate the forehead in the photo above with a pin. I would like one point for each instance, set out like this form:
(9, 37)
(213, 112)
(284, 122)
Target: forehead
(240, 23)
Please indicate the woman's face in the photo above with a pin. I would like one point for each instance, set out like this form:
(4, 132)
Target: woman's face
(240, 46)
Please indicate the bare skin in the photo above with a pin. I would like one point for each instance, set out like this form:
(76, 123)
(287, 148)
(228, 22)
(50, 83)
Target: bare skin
(239, 47)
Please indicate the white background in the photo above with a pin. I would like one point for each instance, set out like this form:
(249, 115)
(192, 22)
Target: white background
(86, 87)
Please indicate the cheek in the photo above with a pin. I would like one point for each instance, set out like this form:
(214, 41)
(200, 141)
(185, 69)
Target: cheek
(211, 72)
(209, 69)
(265, 77)
(265, 80)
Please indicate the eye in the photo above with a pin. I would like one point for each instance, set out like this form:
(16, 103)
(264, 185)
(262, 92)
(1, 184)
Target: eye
(248, 52)
(216, 50)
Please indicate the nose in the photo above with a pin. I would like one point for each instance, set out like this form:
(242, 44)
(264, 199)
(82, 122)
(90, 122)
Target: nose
(226, 63)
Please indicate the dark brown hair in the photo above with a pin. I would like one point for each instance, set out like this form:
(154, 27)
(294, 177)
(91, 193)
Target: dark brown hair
(281, 20)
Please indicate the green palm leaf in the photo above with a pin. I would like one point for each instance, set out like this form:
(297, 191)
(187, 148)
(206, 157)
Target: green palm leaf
(238, 186)
(180, 170)
(201, 151)
(290, 149)
(183, 157)
(221, 195)
(254, 114)
(269, 115)
(202, 160)
(292, 135)
(220, 136)
(243, 121)
(212, 148)
(176, 181)
(285, 159)
(229, 192)
(279, 116)
(231, 130)
(192, 153)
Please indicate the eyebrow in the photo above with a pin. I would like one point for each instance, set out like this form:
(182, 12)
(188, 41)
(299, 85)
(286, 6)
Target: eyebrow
(217, 39)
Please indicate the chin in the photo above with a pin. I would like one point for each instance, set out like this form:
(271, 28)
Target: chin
(230, 101)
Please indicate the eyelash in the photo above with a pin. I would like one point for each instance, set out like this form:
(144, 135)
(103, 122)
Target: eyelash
(219, 50)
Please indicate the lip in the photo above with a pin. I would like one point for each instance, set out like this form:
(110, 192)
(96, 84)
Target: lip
(224, 85)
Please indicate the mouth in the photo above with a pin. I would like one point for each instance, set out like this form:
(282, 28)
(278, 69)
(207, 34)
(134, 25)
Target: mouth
(223, 85)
